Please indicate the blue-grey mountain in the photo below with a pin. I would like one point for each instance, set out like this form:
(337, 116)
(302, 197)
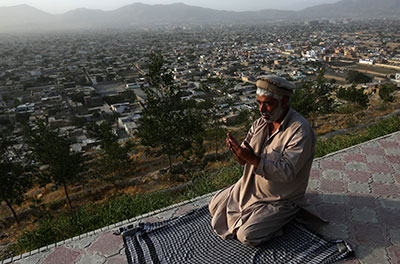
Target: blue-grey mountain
(26, 18)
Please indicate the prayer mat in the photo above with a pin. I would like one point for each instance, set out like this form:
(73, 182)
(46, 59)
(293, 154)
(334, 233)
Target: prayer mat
(190, 239)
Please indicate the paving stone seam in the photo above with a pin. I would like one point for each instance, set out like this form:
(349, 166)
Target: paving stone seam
(394, 171)
(113, 255)
(370, 182)
(43, 249)
(16, 258)
(7, 261)
(51, 246)
(27, 254)
(389, 238)
(174, 213)
(122, 251)
(387, 255)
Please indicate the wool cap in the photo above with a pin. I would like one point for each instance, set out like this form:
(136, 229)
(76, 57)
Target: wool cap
(275, 84)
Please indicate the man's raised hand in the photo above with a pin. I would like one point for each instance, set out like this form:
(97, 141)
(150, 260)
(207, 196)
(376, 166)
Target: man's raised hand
(231, 148)
(242, 154)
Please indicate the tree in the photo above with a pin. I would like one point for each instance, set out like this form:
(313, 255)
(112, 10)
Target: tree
(323, 94)
(78, 121)
(110, 76)
(53, 150)
(357, 77)
(114, 162)
(303, 100)
(15, 179)
(129, 95)
(353, 95)
(385, 92)
(214, 125)
(314, 97)
(216, 130)
(82, 80)
(78, 97)
(99, 78)
(167, 123)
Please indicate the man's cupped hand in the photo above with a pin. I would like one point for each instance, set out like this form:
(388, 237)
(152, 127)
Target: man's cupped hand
(242, 154)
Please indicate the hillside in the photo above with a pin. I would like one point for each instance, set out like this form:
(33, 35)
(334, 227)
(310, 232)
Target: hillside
(366, 9)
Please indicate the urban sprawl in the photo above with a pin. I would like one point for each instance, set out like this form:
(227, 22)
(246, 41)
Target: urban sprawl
(72, 79)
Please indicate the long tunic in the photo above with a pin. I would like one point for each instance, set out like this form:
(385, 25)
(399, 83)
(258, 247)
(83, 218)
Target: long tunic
(269, 193)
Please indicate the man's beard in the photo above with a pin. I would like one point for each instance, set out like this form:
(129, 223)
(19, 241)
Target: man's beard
(274, 116)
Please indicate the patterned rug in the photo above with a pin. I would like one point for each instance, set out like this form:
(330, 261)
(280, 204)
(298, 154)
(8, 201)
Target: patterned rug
(190, 239)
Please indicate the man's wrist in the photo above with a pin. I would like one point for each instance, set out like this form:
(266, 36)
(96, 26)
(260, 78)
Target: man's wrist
(255, 161)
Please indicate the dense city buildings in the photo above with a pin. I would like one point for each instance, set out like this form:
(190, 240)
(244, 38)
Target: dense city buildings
(75, 78)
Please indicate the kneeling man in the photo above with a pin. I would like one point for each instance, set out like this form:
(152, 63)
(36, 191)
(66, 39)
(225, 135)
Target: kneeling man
(277, 154)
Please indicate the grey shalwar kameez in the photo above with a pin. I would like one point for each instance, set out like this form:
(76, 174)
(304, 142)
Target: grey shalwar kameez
(266, 198)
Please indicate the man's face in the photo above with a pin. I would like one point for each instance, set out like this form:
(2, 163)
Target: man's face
(270, 108)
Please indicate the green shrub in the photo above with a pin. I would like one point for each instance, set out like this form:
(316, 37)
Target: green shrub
(354, 95)
(357, 77)
(385, 93)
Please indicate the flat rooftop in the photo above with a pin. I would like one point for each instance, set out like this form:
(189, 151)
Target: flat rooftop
(357, 188)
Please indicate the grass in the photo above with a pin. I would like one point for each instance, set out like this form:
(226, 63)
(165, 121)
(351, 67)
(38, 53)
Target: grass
(121, 206)
(339, 142)
(118, 208)
(349, 108)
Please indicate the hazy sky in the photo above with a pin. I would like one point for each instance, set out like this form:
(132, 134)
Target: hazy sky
(61, 6)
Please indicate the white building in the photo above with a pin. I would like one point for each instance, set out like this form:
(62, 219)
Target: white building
(132, 86)
(366, 61)
(129, 123)
(24, 108)
(120, 108)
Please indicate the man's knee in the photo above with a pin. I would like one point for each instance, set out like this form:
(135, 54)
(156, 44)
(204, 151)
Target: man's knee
(218, 201)
(253, 237)
(211, 209)
(214, 205)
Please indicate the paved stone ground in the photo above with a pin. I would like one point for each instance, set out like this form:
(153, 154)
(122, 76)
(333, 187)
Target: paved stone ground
(358, 189)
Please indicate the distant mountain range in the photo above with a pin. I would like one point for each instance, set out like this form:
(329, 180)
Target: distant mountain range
(24, 18)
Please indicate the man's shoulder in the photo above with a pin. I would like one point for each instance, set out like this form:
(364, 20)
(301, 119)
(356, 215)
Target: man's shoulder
(296, 120)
